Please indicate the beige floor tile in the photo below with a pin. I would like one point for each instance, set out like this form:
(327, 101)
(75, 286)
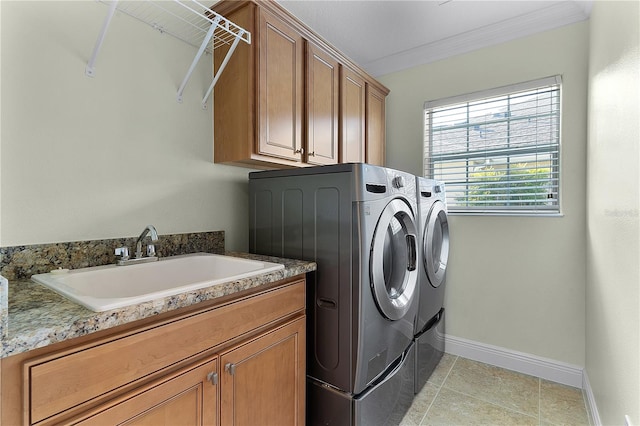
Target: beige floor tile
(453, 408)
(442, 369)
(562, 405)
(515, 391)
(420, 405)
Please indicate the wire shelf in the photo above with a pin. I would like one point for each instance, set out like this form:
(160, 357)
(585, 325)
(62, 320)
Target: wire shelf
(187, 20)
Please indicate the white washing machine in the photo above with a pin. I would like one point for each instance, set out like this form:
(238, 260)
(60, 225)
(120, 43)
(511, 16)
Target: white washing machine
(358, 223)
(433, 250)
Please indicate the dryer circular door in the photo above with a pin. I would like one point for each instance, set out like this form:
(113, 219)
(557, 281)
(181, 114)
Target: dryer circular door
(393, 260)
(436, 244)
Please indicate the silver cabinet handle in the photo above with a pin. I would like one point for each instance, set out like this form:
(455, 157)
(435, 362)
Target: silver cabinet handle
(230, 367)
(299, 151)
(213, 378)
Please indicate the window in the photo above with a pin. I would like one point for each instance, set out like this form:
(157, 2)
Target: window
(497, 151)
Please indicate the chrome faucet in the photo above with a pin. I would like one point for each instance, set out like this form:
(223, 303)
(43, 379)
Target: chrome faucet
(123, 252)
(151, 249)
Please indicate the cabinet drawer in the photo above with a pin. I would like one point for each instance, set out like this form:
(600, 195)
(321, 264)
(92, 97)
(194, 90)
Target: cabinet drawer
(60, 382)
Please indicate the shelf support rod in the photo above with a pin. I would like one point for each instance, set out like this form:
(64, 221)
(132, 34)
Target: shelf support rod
(203, 47)
(222, 66)
(89, 70)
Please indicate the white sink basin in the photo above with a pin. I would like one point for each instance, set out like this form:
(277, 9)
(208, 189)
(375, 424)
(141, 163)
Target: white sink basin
(102, 288)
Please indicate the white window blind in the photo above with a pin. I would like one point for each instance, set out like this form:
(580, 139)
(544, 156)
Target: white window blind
(497, 151)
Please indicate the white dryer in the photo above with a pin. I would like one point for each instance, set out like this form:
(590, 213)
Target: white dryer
(433, 249)
(358, 223)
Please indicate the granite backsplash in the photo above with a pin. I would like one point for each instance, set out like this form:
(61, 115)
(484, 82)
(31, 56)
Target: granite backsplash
(20, 262)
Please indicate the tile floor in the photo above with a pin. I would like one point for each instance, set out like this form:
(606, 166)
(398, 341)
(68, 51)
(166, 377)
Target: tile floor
(465, 392)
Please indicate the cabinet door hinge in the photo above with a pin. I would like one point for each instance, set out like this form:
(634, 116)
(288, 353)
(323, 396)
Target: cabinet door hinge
(230, 367)
(213, 378)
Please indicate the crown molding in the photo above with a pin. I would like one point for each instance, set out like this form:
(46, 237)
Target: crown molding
(555, 16)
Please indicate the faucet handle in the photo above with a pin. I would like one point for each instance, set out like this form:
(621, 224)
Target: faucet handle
(123, 252)
(151, 250)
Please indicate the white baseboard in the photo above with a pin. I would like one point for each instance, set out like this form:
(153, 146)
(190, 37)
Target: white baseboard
(532, 365)
(590, 401)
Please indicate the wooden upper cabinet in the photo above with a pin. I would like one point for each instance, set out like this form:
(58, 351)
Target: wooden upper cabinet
(323, 82)
(259, 97)
(352, 117)
(234, 96)
(375, 137)
(281, 89)
(289, 99)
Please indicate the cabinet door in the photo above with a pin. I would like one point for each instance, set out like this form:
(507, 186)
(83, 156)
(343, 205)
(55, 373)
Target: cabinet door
(263, 381)
(352, 93)
(323, 81)
(185, 398)
(375, 142)
(280, 89)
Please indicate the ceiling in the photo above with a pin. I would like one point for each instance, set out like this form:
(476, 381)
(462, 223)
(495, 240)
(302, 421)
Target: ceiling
(392, 35)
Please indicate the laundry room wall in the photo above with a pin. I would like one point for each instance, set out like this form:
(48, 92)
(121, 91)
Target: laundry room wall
(91, 158)
(514, 282)
(613, 194)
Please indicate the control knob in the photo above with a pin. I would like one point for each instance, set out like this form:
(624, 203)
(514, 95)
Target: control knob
(398, 181)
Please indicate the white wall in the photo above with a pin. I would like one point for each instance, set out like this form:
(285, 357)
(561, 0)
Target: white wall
(613, 234)
(89, 158)
(513, 282)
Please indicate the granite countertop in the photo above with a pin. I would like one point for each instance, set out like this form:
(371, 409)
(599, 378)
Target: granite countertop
(38, 317)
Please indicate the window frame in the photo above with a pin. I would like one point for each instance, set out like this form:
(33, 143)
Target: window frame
(469, 98)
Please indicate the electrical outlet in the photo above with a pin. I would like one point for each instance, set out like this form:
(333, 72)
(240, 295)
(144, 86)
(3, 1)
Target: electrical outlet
(627, 421)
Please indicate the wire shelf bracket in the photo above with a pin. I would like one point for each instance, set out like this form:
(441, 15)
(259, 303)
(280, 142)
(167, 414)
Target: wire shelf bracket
(186, 20)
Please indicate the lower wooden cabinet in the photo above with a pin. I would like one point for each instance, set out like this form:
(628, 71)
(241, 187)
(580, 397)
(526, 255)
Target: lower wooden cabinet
(185, 398)
(259, 382)
(263, 381)
(238, 362)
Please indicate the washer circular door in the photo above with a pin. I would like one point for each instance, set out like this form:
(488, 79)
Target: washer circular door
(393, 260)
(436, 244)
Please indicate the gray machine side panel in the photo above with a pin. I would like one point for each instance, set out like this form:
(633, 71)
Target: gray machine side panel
(293, 224)
(327, 406)
(388, 402)
(429, 350)
(384, 404)
(261, 221)
(309, 217)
